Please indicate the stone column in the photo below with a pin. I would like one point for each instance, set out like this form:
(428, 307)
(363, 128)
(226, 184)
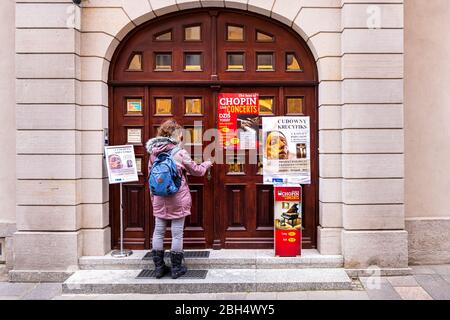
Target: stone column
(322, 25)
(372, 136)
(50, 154)
(7, 132)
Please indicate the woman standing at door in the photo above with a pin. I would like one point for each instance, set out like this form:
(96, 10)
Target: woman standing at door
(175, 207)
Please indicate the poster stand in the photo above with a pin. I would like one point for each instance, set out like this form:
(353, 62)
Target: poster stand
(288, 220)
(122, 253)
(121, 165)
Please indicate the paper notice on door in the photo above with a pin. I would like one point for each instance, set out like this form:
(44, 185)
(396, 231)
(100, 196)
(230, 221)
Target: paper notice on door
(134, 136)
(247, 140)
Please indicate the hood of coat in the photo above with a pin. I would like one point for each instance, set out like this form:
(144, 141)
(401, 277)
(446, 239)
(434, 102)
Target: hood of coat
(160, 144)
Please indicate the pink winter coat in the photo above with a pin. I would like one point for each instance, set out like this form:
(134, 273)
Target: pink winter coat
(178, 205)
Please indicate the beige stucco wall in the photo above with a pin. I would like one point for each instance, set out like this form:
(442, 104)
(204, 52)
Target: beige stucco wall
(427, 108)
(7, 113)
(427, 133)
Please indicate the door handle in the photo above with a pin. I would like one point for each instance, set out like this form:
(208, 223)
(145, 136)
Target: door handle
(208, 176)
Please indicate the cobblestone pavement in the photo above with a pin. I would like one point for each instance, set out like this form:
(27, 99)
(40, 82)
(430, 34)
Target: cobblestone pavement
(425, 283)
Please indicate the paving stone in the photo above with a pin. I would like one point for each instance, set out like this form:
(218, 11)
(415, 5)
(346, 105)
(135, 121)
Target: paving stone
(231, 296)
(442, 269)
(119, 297)
(379, 288)
(413, 293)
(75, 297)
(15, 289)
(44, 291)
(357, 284)
(373, 282)
(435, 285)
(196, 296)
(321, 295)
(352, 295)
(406, 281)
(296, 295)
(9, 298)
(138, 297)
(446, 278)
(422, 270)
(261, 296)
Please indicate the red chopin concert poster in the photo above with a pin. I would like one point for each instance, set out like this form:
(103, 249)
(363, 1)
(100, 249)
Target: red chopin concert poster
(238, 120)
(288, 220)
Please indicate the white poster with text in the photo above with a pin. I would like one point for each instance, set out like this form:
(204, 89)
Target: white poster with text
(286, 154)
(121, 164)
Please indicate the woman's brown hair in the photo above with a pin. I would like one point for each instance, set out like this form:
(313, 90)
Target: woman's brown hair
(168, 128)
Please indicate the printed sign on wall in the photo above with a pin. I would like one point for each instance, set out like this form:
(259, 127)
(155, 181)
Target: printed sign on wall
(286, 154)
(238, 120)
(121, 164)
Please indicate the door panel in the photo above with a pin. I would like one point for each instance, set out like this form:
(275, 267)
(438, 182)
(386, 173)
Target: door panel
(264, 203)
(235, 207)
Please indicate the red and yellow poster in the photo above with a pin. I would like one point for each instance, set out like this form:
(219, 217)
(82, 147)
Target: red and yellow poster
(288, 220)
(238, 120)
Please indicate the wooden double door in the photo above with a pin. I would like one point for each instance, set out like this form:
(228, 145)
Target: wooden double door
(231, 207)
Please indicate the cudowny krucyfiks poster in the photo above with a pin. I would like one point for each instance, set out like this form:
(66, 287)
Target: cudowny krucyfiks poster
(286, 150)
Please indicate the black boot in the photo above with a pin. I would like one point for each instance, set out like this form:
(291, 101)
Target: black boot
(178, 269)
(160, 267)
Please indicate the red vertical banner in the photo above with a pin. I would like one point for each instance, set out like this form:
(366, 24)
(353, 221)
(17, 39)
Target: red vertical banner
(288, 220)
(238, 111)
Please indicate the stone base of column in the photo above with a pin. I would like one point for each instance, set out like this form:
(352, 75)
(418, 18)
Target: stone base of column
(96, 242)
(6, 237)
(45, 256)
(375, 250)
(329, 241)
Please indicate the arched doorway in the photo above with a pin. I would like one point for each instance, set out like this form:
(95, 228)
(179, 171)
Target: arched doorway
(175, 67)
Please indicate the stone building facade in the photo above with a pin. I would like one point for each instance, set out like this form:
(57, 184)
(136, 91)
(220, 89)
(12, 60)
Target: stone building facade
(55, 207)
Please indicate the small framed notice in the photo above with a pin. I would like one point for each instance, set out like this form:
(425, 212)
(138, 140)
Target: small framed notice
(134, 135)
(134, 106)
(139, 164)
(247, 140)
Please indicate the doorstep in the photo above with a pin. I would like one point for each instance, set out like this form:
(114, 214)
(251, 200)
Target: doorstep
(219, 259)
(216, 281)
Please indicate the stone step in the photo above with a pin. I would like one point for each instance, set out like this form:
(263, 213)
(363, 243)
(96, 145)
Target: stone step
(216, 281)
(220, 259)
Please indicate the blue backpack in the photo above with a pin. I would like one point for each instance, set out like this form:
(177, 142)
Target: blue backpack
(164, 179)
